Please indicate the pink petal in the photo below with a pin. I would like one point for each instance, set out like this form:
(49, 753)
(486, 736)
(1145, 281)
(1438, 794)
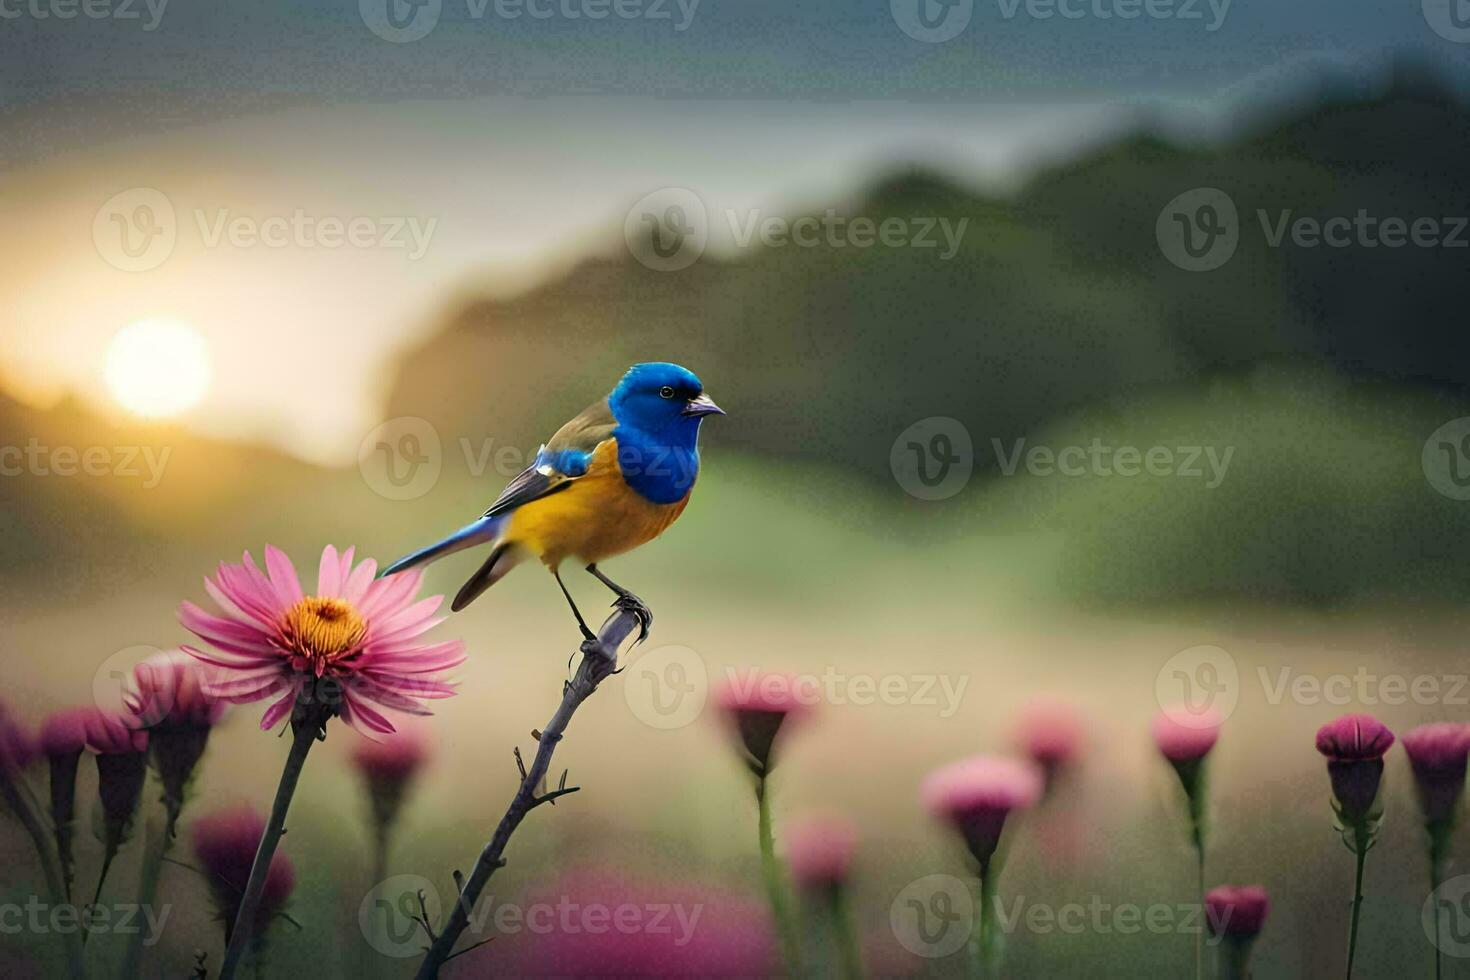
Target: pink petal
(415, 660)
(366, 688)
(358, 582)
(366, 715)
(283, 575)
(232, 663)
(236, 585)
(329, 573)
(387, 595)
(414, 687)
(277, 711)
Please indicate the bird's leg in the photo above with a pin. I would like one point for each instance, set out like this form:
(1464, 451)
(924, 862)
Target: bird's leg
(627, 600)
(587, 634)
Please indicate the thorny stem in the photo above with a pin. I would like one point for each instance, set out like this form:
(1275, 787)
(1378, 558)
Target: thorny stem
(306, 731)
(775, 884)
(599, 660)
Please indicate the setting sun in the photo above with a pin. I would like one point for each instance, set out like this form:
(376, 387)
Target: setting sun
(157, 368)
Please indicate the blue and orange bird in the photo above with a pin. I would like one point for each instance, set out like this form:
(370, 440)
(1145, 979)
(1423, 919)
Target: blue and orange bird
(613, 478)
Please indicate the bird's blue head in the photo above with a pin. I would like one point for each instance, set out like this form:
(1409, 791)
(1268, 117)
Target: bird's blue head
(661, 398)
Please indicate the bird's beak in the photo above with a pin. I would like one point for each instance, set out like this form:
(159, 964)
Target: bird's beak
(703, 405)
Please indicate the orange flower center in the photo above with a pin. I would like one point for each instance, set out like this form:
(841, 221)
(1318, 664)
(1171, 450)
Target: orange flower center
(323, 629)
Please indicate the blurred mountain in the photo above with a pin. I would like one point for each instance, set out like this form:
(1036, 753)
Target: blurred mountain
(1059, 297)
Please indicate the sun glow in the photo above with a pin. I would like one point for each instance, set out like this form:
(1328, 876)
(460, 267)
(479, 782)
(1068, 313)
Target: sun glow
(157, 368)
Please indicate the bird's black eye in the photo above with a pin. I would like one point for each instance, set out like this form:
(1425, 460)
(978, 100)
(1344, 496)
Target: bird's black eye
(666, 392)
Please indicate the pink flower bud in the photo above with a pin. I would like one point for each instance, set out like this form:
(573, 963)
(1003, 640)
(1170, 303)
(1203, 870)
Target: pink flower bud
(757, 705)
(225, 843)
(393, 758)
(976, 795)
(1050, 734)
(1353, 738)
(1437, 754)
(168, 692)
(64, 732)
(1183, 735)
(819, 851)
(1236, 910)
(109, 734)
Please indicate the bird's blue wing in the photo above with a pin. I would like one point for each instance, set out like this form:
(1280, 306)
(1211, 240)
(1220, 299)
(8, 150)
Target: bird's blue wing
(561, 461)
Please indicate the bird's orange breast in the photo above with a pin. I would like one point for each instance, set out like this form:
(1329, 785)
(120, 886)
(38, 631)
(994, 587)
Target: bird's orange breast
(596, 517)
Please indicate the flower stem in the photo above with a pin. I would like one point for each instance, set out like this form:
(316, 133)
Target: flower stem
(155, 847)
(1361, 852)
(844, 935)
(775, 885)
(305, 733)
(984, 940)
(1438, 841)
(1199, 936)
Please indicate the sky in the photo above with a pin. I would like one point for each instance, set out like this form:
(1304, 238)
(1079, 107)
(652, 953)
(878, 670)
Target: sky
(473, 145)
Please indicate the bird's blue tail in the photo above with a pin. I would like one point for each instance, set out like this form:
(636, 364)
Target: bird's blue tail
(485, 529)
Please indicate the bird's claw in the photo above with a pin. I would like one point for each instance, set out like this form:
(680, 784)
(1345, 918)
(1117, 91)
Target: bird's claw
(628, 602)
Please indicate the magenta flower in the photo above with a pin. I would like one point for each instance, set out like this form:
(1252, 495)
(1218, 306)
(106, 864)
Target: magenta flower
(354, 645)
(63, 737)
(819, 852)
(1236, 910)
(1437, 754)
(1186, 736)
(976, 795)
(1050, 734)
(1354, 746)
(388, 768)
(1236, 914)
(1353, 738)
(17, 747)
(225, 843)
(168, 700)
(121, 752)
(757, 705)
(168, 692)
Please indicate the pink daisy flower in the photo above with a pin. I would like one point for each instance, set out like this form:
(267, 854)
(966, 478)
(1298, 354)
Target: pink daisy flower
(355, 644)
